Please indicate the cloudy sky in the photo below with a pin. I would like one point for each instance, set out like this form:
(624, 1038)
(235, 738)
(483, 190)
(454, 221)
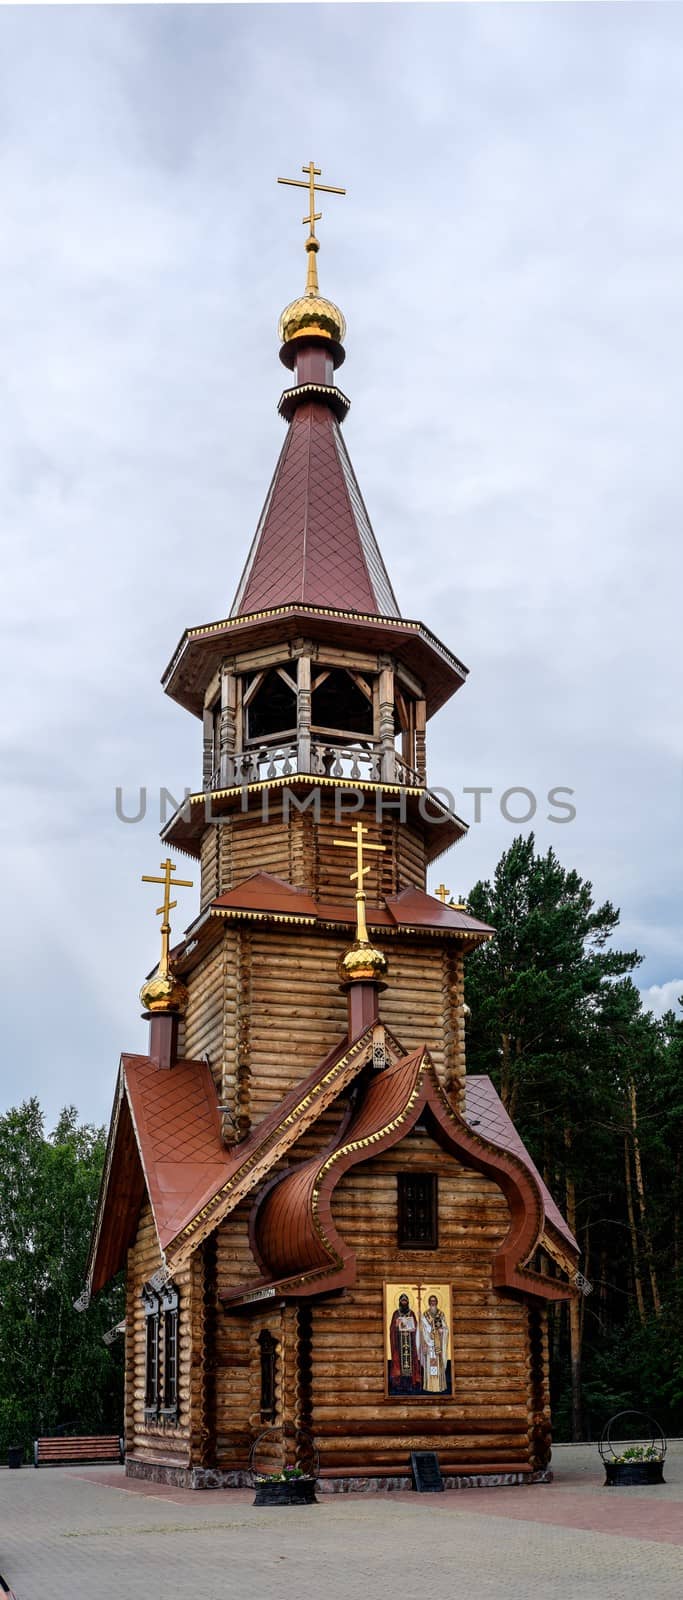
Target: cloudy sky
(510, 261)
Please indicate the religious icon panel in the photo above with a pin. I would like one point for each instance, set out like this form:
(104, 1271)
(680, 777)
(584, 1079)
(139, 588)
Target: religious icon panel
(417, 1323)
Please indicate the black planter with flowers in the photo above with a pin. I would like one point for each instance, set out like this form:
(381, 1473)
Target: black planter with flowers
(632, 1448)
(293, 1482)
(291, 1489)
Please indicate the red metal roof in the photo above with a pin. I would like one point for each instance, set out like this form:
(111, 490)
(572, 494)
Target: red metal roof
(297, 1240)
(177, 1126)
(166, 1138)
(485, 1112)
(265, 895)
(314, 542)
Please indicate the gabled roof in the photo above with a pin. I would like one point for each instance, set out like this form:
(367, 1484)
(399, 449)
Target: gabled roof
(296, 1239)
(165, 1140)
(314, 542)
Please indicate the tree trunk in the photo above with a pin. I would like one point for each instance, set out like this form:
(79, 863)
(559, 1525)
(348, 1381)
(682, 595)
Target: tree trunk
(640, 1187)
(574, 1307)
(505, 1073)
(640, 1298)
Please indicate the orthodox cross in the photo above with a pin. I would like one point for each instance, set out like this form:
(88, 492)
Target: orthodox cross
(310, 184)
(359, 844)
(167, 906)
(417, 1289)
(442, 892)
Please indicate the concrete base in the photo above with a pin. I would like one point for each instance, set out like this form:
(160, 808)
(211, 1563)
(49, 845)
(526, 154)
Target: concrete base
(215, 1478)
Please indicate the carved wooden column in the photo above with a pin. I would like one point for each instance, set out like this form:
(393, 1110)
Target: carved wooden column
(386, 719)
(228, 726)
(207, 760)
(421, 739)
(303, 711)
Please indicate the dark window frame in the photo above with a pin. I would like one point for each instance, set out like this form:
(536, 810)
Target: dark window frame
(162, 1354)
(417, 1210)
(171, 1355)
(268, 1350)
(152, 1342)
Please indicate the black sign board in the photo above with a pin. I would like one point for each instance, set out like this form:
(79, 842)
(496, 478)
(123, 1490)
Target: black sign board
(426, 1472)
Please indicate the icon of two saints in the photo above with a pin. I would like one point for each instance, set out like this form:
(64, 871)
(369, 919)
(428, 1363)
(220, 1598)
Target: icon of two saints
(418, 1341)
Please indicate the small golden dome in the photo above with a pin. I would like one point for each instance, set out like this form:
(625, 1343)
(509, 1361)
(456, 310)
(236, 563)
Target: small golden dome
(315, 315)
(311, 312)
(363, 964)
(163, 992)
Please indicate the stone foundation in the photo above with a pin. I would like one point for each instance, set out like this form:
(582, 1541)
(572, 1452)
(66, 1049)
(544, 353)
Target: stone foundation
(215, 1478)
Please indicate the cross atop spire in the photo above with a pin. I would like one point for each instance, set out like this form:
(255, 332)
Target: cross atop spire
(310, 184)
(313, 216)
(168, 882)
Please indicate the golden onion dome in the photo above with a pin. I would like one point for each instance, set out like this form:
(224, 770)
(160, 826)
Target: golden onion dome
(312, 312)
(163, 992)
(363, 964)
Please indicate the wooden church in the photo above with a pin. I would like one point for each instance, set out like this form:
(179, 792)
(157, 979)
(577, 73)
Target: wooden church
(328, 1229)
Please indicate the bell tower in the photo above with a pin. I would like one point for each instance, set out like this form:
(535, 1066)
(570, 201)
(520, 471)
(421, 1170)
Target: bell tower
(315, 678)
(314, 695)
(302, 1123)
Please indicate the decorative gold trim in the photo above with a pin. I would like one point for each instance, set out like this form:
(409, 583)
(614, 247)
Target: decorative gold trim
(300, 390)
(205, 630)
(243, 1179)
(360, 1144)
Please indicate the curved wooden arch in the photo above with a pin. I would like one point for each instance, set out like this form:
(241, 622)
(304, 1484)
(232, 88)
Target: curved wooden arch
(296, 1239)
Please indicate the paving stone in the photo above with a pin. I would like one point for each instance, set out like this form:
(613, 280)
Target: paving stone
(96, 1535)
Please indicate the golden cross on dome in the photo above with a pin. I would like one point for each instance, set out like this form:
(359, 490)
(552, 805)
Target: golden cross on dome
(310, 184)
(442, 892)
(164, 910)
(359, 844)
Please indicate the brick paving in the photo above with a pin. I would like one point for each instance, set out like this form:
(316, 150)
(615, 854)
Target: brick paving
(96, 1535)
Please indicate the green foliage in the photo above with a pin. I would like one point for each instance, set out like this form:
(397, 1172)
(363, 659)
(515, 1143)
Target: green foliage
(54, 1367)
(595, 1086)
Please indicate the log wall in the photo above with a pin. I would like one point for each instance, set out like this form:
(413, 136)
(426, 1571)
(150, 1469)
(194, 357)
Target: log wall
(202, 1029)
(331, 1356)
(266, 1007)
(164, 1442)
(489, 1421)
(301, 850)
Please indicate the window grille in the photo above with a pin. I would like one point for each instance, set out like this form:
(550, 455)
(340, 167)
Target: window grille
(417, 1211)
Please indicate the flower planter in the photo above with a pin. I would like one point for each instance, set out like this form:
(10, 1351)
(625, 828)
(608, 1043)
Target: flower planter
(292, 1492)
(622, 1473)
(632, 1448)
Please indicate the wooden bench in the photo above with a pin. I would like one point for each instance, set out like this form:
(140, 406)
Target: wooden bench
(65, 1452)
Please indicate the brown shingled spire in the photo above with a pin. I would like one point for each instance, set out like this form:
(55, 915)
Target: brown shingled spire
(314, 543)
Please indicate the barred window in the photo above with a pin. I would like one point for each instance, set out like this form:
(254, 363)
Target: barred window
(268, 1347)
(418, 1210)
(161, 1351)
(169, 1307)
(151, 1354)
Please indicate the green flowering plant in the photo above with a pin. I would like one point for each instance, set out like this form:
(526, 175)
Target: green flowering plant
(285, 1476)
(639, 1452)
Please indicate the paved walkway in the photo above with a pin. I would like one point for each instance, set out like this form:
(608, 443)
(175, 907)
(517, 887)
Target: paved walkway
(95, 1535)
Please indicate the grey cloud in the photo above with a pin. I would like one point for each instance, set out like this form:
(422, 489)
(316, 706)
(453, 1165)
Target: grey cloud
(510, 261)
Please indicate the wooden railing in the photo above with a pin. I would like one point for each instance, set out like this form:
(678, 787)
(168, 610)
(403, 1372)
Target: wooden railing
(365, 761)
